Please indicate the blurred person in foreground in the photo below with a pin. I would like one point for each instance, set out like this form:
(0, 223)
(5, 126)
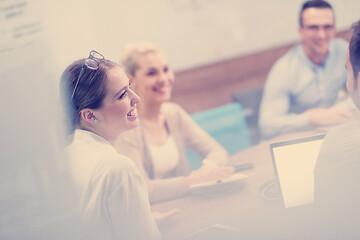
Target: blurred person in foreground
(100, 105)
(306, 88)
(158, 145)
(337, 176)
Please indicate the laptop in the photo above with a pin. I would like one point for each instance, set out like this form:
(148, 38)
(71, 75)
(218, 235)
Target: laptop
(294, 163)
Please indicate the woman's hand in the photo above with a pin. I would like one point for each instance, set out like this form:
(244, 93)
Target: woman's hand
(209, 172)
(160, 217)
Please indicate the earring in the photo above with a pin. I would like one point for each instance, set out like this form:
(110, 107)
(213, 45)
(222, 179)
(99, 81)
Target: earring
(95, 120)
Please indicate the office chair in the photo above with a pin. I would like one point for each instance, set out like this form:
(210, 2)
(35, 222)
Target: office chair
(227, 125)
(250, 100)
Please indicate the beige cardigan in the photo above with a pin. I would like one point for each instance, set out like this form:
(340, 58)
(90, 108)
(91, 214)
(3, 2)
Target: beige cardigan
(185, 133)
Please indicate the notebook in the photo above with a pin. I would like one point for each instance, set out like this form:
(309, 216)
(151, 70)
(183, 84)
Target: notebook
(294, 163)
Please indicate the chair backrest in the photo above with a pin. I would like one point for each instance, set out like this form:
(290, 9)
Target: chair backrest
(227, 125)
(250, 99)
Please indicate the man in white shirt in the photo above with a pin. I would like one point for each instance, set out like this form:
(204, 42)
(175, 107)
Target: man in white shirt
(303, 87)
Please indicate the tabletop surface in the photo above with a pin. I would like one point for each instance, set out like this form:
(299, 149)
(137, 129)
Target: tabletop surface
(237, 206)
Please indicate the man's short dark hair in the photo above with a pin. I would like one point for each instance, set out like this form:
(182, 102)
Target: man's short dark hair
(354, 49)
(313, 4)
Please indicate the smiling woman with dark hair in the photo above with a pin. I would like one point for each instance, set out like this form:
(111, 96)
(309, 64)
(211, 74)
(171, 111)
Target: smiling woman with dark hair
(100, 106)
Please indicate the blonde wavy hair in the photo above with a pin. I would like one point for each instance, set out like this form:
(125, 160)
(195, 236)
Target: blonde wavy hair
(131, 53)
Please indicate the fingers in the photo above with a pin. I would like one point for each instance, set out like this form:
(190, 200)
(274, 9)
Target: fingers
(225, 172)
(340, 115)
(208, 172)
(162, 216)
(340, 111)
(329, 116)
(346, 114)
(230, 169)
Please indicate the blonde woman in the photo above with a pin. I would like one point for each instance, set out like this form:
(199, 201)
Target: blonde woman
(158, 145)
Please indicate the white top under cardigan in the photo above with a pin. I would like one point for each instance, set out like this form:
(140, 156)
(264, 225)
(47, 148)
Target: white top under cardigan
(167, 156)
(114, 198)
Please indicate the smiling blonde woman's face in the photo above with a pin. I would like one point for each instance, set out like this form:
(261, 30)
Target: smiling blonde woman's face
(153, 79)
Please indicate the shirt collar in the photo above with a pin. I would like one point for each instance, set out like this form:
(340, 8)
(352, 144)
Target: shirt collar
(312, 65)
(89, 137)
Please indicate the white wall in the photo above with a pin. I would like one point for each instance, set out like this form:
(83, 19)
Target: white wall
(191, 32)
(35, 189)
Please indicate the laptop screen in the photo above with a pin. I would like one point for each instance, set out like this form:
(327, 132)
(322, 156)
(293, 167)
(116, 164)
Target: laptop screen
(294, 163)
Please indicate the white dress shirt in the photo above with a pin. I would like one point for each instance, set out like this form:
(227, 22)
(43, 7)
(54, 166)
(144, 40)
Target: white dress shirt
(114, 199)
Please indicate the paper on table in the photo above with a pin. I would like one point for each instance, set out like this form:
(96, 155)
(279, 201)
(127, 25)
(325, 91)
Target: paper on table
(237, 177)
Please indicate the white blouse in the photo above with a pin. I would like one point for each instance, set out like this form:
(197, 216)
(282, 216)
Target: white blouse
(114, 198)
